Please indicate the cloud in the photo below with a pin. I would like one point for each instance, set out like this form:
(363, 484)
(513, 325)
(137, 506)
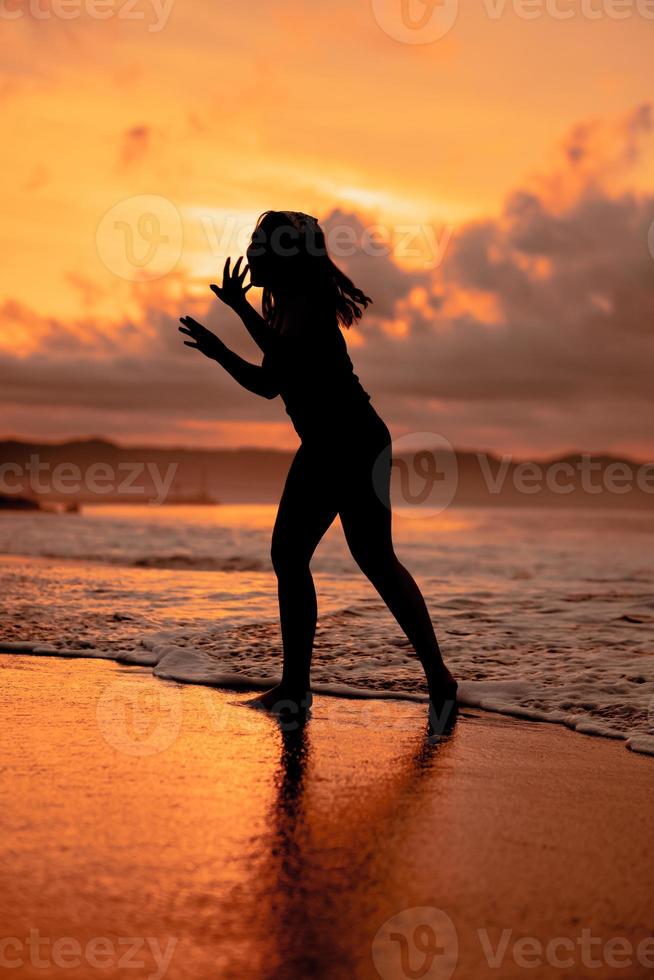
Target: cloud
(534, 333)
(136, 143)
(568, 274)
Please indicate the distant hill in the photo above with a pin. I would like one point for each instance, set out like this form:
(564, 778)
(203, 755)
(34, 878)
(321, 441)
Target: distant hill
(11, 502)
(95, 470)
(136, 474)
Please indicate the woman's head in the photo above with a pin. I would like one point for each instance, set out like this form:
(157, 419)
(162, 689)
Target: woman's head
(288, 253)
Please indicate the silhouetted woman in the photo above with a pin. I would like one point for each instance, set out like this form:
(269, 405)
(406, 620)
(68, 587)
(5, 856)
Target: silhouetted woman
(306, 298)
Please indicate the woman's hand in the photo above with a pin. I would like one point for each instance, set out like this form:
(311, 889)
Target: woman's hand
(201, 338)
(232, 292)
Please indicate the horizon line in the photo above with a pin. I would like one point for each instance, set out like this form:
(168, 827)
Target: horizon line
(498, 454)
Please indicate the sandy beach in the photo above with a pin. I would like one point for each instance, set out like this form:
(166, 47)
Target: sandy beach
(155, 829)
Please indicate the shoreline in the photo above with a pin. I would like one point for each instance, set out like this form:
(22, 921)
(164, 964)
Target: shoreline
(166, 666)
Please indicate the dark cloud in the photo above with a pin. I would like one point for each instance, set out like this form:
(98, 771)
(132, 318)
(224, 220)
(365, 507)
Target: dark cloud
(135, 145)
(369, 259)
(568, 273)
(535, 331)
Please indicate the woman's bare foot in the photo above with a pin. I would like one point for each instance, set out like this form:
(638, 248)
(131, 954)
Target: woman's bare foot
(282, 701)
(442, 701)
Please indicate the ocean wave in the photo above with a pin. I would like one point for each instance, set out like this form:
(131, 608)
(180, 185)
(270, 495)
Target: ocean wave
(179, 562)
(356, 658)
(195, 563)
(550, 621)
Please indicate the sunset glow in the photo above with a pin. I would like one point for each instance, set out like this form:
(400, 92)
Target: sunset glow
(508, 166)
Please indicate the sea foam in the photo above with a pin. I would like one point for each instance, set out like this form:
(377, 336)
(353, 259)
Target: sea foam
(542, 616)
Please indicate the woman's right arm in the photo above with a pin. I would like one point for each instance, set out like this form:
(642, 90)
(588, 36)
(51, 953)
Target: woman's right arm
(250, 376)
(232, 293)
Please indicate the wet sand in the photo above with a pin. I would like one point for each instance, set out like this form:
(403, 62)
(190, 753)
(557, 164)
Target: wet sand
(148, 822)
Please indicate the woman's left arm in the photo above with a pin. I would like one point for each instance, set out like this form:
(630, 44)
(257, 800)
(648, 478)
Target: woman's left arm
(252, 377)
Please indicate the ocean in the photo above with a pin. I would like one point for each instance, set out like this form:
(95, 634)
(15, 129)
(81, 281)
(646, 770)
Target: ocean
(543, 615)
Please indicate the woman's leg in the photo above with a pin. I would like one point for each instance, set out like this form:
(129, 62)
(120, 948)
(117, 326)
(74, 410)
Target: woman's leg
(306, 510)
(366, 518)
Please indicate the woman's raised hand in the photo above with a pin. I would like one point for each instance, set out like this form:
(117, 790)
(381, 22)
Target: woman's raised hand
(232, 292)
(201, 338)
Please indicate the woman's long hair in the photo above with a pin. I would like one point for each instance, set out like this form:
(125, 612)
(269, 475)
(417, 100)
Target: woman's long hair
(308, 263)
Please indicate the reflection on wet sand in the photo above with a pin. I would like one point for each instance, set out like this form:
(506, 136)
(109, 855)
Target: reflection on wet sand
(334, 859)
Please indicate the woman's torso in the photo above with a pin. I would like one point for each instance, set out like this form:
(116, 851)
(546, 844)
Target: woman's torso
(322, 395)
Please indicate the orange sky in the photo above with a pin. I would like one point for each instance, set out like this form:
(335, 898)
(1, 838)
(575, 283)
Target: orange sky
(224, 110)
